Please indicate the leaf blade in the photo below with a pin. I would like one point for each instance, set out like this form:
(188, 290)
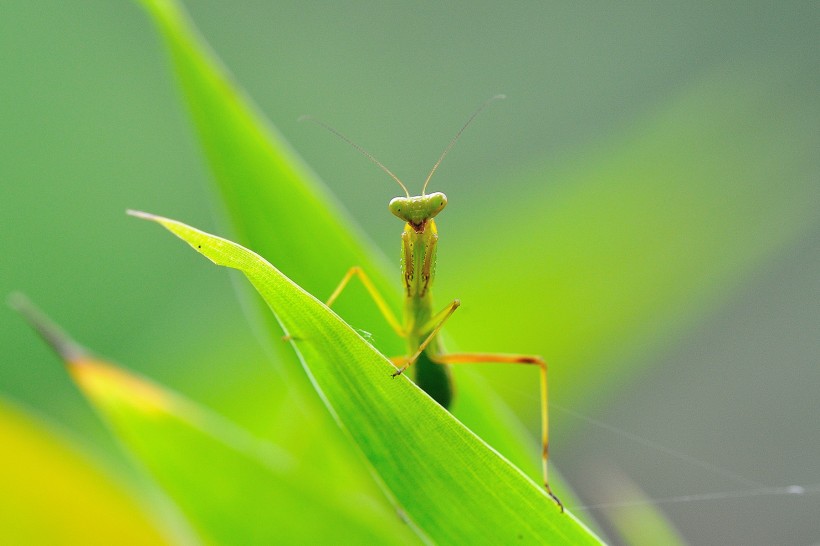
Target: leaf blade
(232, 487)
(451, 464)
(51, 494)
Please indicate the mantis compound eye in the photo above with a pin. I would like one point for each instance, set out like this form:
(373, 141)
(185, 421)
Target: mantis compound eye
(400, 206)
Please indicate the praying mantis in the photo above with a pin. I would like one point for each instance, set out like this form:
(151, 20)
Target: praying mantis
(421, 326)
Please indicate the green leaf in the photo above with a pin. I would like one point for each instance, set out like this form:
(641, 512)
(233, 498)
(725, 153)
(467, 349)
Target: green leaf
(51, 494)
(276, 206)
(232, 487)
(446, 480)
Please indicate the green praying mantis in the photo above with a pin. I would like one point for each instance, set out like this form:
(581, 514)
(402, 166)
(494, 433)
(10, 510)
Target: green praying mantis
(421, 325)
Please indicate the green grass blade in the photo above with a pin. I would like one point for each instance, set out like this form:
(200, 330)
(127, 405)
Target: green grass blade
(52, 495)
(277, 207)
(448, 481)
(232, 487)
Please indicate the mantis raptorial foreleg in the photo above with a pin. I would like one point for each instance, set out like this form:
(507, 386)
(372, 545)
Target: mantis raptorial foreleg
(434, 325)
(439, 321)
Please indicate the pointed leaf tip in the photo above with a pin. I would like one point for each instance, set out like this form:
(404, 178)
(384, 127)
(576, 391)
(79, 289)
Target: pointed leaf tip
(140, 214)
(68, 349)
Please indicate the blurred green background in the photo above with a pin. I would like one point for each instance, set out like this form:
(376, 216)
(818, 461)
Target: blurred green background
(644, 210)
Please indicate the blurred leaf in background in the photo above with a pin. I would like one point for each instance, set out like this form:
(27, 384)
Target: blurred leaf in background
(54, 495)
(651, 187)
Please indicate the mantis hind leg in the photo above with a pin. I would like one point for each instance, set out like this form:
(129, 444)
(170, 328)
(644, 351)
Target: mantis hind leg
(489, 358)
(378, 299)
(375, 295)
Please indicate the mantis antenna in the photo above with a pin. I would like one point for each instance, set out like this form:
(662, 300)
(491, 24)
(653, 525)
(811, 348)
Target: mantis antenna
(455, 138)
(364, 152)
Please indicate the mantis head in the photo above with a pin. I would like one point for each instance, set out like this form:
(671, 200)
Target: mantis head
(417, 210)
